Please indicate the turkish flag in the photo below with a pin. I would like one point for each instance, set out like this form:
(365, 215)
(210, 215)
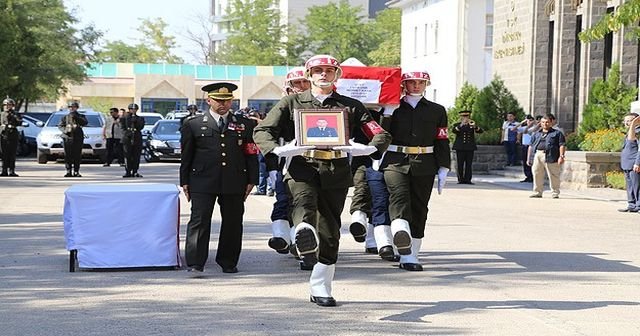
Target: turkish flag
(370, 85)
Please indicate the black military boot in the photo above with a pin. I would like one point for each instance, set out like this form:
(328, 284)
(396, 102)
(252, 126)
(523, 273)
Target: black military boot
(128, 174)
(4, 173)
(12, 172)
(76, 174)
(68, 174)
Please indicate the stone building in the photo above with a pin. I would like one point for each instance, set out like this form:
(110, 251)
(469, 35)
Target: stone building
(541, 60)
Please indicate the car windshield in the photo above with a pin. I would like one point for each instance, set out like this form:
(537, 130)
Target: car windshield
(151, 120)
(93, 120)
(167, 128)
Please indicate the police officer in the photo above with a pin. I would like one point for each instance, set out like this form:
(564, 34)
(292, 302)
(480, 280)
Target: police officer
(419, 152)
(9, 123)
(132, 126)
(72, 139)
(318, 180)
(465, 145)
(219, 161)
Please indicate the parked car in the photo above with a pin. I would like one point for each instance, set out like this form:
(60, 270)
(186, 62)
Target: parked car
(29, 131)
(177, 114)
(49, 141)
(42, 116)
(163, 142)
(150, 119)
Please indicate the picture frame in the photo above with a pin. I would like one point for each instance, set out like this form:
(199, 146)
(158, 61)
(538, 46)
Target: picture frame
(323, 128)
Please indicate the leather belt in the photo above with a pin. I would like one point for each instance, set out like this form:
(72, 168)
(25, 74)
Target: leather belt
(324, 154)
(410, 150)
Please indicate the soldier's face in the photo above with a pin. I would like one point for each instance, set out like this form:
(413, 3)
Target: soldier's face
(8, 107)
(414, 86)
(323, 75)
(73, 109)
(219, 106)
(300, 85)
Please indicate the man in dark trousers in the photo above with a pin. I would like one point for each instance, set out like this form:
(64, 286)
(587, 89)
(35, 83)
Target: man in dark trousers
(318, 180)
(465, 145)
(112, 133)
(72, 138)
(132, 126)
(219, 162)
(9, 123)
(419, 151)
(630, 163)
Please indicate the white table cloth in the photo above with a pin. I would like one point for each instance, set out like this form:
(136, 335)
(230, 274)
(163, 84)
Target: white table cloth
(123, 225)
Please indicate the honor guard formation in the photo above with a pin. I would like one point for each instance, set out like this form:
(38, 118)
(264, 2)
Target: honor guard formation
(392, 155)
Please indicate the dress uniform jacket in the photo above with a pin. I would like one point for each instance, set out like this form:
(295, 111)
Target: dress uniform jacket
(629, 155)
(71, 126)
(465, 137)
(424, 125)
(131, 126)
(217, 161)
(279, 123)
(9, 123)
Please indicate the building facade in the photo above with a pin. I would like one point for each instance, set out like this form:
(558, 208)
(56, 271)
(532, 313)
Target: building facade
(450, 39)
(166, 87)
(539, 56)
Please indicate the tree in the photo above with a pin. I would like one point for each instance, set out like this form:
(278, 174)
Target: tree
(202, 38)
(41, 49)
(626, 15)
(464, 102)
(608, 103)
(493, 103)
(386, 29)
(154, 46)
(257, 36)
(339, 30)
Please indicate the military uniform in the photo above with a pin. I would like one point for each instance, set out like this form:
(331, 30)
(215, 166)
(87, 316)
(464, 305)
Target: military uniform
(419, 148)
(465, 146)
(9, 123)
(318, 181)
(73, 140)
(217, 164)
(132, 126)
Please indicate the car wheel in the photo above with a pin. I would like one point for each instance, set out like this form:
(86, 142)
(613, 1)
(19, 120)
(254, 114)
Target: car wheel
(42, 158)
(148, 156)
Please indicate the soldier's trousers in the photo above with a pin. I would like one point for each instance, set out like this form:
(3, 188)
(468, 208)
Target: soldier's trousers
(9, 146)
(379, 198)
(199, 229)
(320, 208)
(361, 199)
(409, 199)
(465, 165)
(281, 205)
(72, 153)
(132, 156)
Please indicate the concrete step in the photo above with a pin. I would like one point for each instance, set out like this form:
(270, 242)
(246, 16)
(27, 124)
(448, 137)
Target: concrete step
(511, 171)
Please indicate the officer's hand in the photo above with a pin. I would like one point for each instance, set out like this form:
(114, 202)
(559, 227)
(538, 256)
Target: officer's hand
(291, 150)
(357, 149)
(442, 178)
(248, 191)
(185, 189)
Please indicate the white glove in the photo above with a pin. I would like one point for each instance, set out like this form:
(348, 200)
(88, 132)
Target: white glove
(291, 150)
(273, 176)
(442, 178)
(389, 108)
(357, 149)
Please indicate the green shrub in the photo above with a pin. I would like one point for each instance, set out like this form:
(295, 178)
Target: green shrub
(609, 101)
(604, 140)
(492, 105)
(489, 137)
(464, 101)
(573, 141)
(615, 179)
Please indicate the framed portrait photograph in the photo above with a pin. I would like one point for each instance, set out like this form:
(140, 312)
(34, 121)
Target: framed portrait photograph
(323, 128)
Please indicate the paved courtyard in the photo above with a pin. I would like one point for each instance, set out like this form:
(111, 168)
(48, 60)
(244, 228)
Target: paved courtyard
(496, 263)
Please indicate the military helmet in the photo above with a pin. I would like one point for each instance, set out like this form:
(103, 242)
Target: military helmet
(320, 60)
(8, 101)
(295, 73)
(133, 106)
(73, 104)
(416, 75)
(192, 107)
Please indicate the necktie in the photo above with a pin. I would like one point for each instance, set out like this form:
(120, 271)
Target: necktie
(221, 123)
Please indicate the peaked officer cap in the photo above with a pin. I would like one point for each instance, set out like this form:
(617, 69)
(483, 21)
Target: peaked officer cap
(464, 113)
(220, 91)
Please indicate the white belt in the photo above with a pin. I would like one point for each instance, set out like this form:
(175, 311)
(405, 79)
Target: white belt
(410, 150)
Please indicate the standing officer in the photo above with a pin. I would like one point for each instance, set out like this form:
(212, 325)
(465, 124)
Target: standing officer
(465, 145)
(419, 151)
(318, 180)
(9, 123)
(219, 161)
(132, 126)
(630, 163)
(72, 139)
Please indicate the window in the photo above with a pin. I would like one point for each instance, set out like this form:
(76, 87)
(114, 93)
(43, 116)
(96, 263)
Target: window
(488, 34)
(426, 38)
(415, 41)
(435, 38)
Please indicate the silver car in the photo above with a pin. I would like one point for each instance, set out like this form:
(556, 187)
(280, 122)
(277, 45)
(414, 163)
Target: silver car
(49, 139)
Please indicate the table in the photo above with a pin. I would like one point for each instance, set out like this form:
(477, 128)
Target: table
(122, 225)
